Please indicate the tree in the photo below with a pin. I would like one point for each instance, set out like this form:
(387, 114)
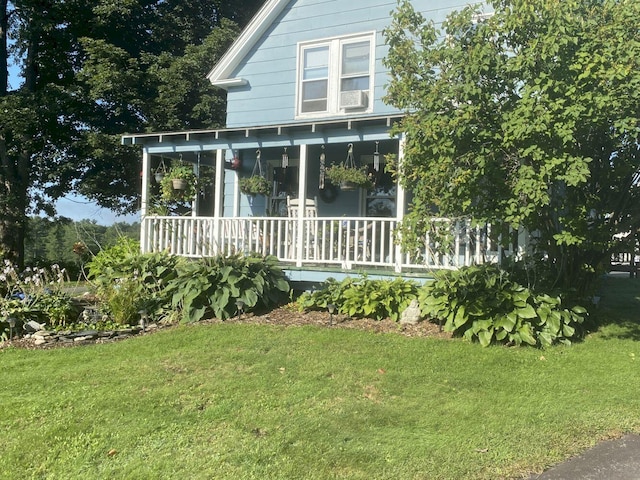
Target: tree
(90, 72)
(530, 116)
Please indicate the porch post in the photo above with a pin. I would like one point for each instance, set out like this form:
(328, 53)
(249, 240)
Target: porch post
(302, 202)
(144, 198)
(218, 196)
(401, 199)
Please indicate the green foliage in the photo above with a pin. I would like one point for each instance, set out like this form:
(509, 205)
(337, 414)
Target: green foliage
(213, 287)
(129, 281)
(54, 241)
(377, 299)
(481, 303)
(179, 172)
(97, 71)
(338, 174)
(255, 185)
(33, 294)
(529, 116)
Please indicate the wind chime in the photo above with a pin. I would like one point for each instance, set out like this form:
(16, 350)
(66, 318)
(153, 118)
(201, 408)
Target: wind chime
(323, 169)
(285, 158)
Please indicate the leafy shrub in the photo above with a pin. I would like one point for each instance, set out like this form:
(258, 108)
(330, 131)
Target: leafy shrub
(129, 281)
(481, 303)
(212, 287)
(376, 299)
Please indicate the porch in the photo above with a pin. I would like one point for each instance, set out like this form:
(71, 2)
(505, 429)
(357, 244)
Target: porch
(345, 232)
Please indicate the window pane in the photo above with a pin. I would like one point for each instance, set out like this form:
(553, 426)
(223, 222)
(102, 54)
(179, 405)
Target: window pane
(355, 58)
(316, 63)
(314, 96)
(315, 89)
(355, 83)
(314, 106)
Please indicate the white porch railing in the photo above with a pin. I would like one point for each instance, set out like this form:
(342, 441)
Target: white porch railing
(345, 242)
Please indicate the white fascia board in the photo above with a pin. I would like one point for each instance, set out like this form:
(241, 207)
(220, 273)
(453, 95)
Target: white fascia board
(229, 82)
(247, 39)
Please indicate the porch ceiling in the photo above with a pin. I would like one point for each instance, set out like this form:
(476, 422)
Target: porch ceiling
(286, 134)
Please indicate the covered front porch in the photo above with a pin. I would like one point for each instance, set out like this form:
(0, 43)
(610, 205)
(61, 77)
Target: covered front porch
(331, 229)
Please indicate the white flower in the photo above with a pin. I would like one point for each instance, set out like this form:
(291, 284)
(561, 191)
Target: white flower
(3, 278)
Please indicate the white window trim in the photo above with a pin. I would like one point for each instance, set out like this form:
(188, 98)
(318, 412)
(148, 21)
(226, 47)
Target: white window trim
(333, 88)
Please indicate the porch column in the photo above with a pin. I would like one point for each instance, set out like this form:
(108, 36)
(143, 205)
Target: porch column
(302, 199)
(144, 198)
(401, 200)
(218, 196)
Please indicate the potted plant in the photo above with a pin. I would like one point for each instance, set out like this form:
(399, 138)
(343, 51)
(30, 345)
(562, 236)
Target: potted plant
(255, 185)
(349, 178)
(179, 183)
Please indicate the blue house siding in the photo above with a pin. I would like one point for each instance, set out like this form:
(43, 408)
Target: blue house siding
(271, 66)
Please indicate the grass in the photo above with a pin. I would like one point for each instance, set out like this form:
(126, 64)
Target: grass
(246, 401)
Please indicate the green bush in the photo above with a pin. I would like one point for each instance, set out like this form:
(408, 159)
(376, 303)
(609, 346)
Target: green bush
(363, 297)
(213, 287)
(481, 303)
(128, 281)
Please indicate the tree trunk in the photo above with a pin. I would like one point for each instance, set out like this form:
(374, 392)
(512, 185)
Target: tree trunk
(14, 160)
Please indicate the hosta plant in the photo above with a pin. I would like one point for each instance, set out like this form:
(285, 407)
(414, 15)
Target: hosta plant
(362, 297)
(481, 303)
(224, 286)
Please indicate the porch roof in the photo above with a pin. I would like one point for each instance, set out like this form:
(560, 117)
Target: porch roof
(317, 132)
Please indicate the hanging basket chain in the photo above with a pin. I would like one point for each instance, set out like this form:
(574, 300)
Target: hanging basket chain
(350, 162)
(257, 168)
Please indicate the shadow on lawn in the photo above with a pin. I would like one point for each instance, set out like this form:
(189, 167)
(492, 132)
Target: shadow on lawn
(620, 307)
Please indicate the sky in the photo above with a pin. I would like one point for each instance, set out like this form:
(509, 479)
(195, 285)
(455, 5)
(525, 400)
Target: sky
(80, 208)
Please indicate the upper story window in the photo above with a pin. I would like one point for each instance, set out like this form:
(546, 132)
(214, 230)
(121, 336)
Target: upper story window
(336, 76)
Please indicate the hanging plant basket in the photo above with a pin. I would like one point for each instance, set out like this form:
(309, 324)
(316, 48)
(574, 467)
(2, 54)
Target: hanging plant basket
(160, 172)
(349, 178)
(348, 175)
(255, 185)
(179, 183)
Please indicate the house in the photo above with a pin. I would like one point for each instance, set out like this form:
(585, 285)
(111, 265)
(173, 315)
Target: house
(304, 83)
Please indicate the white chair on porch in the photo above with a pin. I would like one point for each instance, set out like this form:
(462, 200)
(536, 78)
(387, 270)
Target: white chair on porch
(310, 231)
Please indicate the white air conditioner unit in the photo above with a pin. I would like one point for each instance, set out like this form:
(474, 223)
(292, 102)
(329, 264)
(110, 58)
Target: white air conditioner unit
(353, 99)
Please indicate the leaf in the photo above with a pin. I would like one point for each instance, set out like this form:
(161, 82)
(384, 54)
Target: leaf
(484, 337)
(527, 312)
(526, 334)
(507, 321)
(460, 317)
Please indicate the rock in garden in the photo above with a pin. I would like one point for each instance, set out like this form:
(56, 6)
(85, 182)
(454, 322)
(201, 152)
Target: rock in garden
(411, 314)
(32, 326)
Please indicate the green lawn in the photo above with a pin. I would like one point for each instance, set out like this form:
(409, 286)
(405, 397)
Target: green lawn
(245, 401)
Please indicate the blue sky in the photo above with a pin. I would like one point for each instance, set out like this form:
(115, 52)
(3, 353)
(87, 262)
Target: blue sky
(81, 208)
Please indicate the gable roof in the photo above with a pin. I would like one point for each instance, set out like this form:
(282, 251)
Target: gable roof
(220, 75)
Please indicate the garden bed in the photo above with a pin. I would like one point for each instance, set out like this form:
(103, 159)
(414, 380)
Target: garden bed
(284, 316)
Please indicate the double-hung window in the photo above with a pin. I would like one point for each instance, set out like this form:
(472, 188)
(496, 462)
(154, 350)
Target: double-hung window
(335, 76)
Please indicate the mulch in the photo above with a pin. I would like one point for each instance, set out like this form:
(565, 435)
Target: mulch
(288, 316)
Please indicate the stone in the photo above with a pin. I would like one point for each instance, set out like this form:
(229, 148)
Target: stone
(411, 315)
(33, 326)
(40, 341)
